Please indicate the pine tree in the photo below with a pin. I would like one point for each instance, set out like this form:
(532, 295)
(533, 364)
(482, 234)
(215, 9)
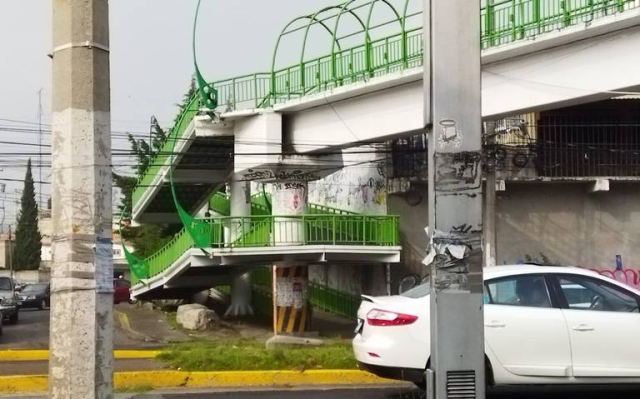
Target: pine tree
(27, 253)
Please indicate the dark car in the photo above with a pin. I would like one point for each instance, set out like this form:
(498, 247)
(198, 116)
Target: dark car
(36, 296)
(8, 300)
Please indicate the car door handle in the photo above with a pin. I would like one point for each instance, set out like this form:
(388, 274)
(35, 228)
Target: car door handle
(583, 327)
(495, 324)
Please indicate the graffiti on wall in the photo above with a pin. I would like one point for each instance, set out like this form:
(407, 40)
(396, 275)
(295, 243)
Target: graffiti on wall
(356, 193)
(629, 277)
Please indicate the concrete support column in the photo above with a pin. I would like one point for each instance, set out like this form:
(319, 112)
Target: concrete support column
(292, 314)
(289, 199)
(240, 196)
(240, 296)
(81, 357)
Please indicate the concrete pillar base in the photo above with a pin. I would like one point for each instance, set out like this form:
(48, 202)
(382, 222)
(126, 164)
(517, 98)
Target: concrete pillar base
(240, 296)
(292, 310)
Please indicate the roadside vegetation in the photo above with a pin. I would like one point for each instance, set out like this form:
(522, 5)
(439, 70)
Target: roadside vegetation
(251, 355)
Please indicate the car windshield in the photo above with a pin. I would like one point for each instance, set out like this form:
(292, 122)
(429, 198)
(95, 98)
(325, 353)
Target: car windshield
(35, 288)
(5, 284)
(418, 291)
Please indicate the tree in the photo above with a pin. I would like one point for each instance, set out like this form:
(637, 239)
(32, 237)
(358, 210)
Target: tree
(142, 151)
(126, 184)
(147, 239)
(27, 252)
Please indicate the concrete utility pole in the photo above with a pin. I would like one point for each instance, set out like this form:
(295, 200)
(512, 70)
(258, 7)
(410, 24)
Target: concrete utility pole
(489, 220)
(81, 359)
(452, 114)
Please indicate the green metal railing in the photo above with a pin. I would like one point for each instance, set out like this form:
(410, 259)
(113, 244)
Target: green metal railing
(334, 301)
(269, 231)
(221, 204)
(166, 256)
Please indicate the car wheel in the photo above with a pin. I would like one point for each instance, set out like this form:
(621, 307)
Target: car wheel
(43, 304)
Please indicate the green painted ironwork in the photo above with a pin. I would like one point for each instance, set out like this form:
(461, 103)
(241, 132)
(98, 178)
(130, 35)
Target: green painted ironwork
(139, 267)
(208, 93)
(221, 204)
(268, 231)
(333, 301)
(167, 256)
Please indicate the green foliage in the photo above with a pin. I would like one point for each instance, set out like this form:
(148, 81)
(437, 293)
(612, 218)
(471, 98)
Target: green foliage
(148, 239)
(186, 98)
(249, 355)
(126, 184)
(27, 253)
(142, 152)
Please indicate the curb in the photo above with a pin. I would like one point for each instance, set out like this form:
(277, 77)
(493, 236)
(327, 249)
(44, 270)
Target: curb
(39, 355)
(218, 379)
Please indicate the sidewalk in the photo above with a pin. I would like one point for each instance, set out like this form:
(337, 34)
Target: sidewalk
(147, 325)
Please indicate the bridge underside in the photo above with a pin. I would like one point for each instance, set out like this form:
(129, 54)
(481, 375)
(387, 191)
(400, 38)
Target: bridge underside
(201, 269)
(206, 164)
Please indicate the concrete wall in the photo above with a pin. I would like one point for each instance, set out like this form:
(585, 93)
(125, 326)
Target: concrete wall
(562, 221)
(359, 187)
(569, 225)
(351, 279)
(29, 276)
(413, 238)
(5, 246)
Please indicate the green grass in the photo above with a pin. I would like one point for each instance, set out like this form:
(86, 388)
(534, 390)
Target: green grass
(249, 355)
(135, 389)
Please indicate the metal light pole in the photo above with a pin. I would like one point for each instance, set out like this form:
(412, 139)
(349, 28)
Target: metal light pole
(453, 117)
(81, 335)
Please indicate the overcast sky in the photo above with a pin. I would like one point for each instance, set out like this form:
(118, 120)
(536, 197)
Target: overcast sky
(151, 63)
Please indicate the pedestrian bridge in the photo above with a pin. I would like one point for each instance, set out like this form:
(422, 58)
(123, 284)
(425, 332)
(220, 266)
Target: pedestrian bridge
(367, 86)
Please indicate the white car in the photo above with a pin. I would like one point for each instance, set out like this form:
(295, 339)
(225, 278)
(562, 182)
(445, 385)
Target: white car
(543, 325)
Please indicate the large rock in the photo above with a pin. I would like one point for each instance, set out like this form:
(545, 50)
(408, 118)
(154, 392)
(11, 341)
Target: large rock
(197, 317)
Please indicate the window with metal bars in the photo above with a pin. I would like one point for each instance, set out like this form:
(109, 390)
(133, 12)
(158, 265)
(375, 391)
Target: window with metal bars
(595, 140)
(409, 156)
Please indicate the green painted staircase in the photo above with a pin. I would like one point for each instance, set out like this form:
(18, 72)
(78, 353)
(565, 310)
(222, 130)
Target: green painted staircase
(322, 226)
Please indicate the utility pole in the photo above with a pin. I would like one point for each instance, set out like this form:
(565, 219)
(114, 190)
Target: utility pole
(81, 335)
(453, 118)
(11, 248)
(39, 151)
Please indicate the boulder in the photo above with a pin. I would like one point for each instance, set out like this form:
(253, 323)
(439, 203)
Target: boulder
(197, 317)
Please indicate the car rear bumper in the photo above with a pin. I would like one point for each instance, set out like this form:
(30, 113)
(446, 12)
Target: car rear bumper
(393, 373)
